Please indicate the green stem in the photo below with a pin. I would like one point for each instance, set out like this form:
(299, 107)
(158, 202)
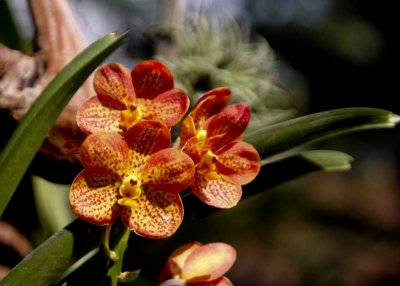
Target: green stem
(112, 255)
(120, 247)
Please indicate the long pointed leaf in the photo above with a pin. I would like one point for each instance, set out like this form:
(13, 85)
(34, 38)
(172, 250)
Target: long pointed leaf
(49, 261)
(33, 129)
(283, 136)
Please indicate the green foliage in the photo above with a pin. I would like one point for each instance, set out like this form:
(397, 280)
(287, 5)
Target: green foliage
(280, 137)
(50, 260)
(33, 129)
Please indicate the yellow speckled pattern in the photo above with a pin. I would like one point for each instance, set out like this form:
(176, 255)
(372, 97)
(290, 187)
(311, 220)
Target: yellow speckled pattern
(137, 161)
(105, 153)
(169, 170)
(158, 216)
(94, 198)
(92, 116)
(151, 78)
(216, 193)
(113, 85)
(239, 163)
(148, 136)
(169, 107)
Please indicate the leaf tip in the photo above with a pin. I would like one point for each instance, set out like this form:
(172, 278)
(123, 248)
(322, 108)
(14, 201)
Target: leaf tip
(393, 119)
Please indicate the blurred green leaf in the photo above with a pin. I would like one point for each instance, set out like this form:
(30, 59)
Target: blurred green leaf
(32, 130)
(280, 137)
(46, 264)
(328, 160)
(52, 204)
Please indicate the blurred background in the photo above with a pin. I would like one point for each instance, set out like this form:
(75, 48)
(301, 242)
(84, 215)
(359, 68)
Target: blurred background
(295, 57)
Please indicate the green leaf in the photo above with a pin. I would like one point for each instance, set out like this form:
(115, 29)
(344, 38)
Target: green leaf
(46, 264)
(283, 136)
(328, 160)
(52, 204)
(32, 130)
(296, 165)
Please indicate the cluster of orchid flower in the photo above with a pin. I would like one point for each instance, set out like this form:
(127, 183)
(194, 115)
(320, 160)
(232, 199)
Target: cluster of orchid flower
(131, 170)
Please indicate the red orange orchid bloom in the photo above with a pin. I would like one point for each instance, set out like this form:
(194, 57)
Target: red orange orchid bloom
(211, 135)
(195, 264)
(137, 177)
(124, 98)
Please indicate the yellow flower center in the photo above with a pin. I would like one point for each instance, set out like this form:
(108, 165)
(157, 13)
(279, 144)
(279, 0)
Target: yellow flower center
(130, 117)
(130, 190)
(207, 167)
(201, 135)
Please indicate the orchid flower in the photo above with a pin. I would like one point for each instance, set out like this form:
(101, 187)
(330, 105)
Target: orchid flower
(125, 98)
(211, 135)
(195, 264)
(137, 177)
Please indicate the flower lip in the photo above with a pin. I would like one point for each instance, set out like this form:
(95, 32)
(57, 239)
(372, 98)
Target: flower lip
(130, 187)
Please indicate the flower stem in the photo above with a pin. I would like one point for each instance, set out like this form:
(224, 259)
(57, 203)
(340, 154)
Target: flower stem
(119, 249)
(112, 255)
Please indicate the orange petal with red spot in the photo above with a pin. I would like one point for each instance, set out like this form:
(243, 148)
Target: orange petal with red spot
(151, 78)
(208, 262)
(210, 104)
(114, 87)
(216, 193)
(92, 116)
(94, 198)
(230, 122)
(158, 215)
(168, 170)
(148, 136)
(223, 281)
(239, 163)
(168, 107)
(105, 153)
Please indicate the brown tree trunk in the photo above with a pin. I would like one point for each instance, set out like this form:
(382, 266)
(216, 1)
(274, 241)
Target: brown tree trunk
(23, 78)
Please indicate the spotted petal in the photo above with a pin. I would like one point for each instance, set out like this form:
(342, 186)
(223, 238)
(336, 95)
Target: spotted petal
(188, 130)
(151, 78)
(216, 193)
(208, 262)
(94, 198)
(230, 122)
(105, 153)
(196, 149)
(168, 107)
(168, 170)
(239, 163)
(93, 116)
(210, 104)
(148, 136)
(113, 85)
(158, 215)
